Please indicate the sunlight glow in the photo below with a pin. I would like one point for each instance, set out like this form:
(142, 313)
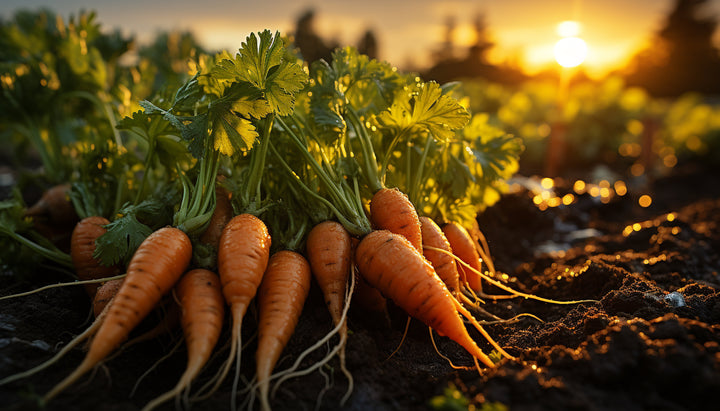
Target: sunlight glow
(570, 51)
(568, 28)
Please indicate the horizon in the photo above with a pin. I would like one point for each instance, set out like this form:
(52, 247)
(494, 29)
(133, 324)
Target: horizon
(613, 30)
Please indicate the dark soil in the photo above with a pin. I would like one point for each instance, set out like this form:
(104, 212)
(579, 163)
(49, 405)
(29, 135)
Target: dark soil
(650, 341)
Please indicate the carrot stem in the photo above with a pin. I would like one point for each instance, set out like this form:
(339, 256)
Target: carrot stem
(53, 254)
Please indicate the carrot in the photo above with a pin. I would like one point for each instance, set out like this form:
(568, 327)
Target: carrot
(282, 294)
(105, 293)
(54, 206)
(168, 312)
(392, 265)
(365, 296)
(243, 255)
(154, 269)
(82, 248)
(203, 307)
(438, 251)
(220, 217)
(482, 247)
(390, 209)
(329, 250)
(443, 263)
(463, 247)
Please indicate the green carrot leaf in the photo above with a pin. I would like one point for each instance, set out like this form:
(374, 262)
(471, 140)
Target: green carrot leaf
(124, 235)
(260, 63)
(427, 108)
(133, 224)
(231, 133)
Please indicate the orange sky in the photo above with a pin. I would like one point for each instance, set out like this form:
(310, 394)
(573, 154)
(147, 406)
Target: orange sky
(408, 30)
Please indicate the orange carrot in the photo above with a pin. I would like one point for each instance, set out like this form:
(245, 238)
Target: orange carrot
(154, 269)
(463, 247)
(368, 298)
(220, 217)
(54, 206)
(365, 296)
(443, 263)
(390, 209)
(481, 245)
(392, 265)
(440, 254)
(282, 294)
(105, 293)
(243, 255)
(82, 247)
(329, 249)
(203, 308)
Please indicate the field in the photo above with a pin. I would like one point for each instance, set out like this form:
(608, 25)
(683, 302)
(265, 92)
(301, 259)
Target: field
(636, 348)
(599, 283)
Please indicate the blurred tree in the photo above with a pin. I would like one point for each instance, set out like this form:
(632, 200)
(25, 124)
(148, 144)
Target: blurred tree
(682, 58)
(483, 44)
(312, 46)
(368, 44)
(474, 64)
(446, 51)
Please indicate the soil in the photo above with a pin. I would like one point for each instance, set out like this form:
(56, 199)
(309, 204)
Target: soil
(650, 339)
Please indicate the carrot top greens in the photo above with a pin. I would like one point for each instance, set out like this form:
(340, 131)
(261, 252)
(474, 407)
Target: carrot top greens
(284, 144)
(308, 142)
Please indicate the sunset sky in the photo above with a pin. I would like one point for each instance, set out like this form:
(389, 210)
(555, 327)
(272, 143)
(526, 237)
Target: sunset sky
(524, 31)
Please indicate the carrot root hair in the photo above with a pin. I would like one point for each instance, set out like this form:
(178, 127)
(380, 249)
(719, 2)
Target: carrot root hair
(202, 314)
(391, 264)
(293, 372)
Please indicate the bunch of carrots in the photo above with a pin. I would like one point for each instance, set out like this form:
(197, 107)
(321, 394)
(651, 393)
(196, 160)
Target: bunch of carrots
(352, 173)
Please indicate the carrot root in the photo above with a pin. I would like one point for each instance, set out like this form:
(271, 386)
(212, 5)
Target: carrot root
(281, 297)
(391, 264)
(293, 371)
(202, 313)
(155, 267)
(391, 209)
(243, 254)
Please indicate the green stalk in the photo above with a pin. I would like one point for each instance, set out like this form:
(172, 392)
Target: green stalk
(252, 192)
(415, 179)
(345, 207)
(370, 166)
(388, 153)
(51, 254)
(148, 163)
(198, 202)
(356, 229)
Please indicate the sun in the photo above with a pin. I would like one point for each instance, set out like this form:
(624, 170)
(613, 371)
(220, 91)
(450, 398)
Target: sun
(570, 51)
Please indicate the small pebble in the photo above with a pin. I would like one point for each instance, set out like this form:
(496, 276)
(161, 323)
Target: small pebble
(675, 299)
